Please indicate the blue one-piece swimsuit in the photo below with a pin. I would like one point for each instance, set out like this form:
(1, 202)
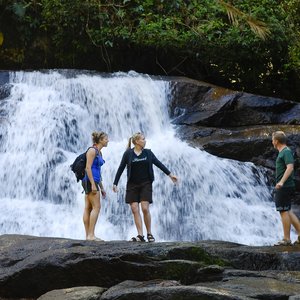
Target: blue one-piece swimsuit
(96, 168)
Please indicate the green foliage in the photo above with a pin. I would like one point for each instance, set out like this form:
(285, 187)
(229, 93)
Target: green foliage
(198, 31)
(292, 19)
(294, 55)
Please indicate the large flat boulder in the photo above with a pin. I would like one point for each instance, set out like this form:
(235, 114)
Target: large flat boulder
(32, 266)
(133, 290)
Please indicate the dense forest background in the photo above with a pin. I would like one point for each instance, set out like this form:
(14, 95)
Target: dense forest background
(250, 45)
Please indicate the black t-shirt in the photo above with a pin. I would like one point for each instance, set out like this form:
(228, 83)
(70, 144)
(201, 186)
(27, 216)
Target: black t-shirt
(140, 168)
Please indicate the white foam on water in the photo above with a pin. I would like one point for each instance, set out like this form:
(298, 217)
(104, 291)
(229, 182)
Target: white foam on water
(49, 120)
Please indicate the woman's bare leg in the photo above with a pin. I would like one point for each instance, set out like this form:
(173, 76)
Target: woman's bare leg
(147, 215)
(94, 200)
(137, 217)
(86, 215)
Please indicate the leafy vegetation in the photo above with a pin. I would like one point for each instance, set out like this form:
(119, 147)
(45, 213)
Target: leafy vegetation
(250, 45)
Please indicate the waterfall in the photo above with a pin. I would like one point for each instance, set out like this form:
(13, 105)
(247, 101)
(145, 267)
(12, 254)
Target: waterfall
(48, 120)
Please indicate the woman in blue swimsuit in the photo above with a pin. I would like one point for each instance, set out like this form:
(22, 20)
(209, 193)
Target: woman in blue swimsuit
(92, 184)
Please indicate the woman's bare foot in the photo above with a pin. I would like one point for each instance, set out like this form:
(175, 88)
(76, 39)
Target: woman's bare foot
(94, 239)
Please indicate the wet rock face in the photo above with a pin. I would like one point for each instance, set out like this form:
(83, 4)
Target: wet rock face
(31, 267)
(235, 125)
(4, 91)
(4, 77)
(212, 106)
(5, 87)
(223, 121)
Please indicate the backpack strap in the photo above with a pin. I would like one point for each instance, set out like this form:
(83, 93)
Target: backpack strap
(97, 152)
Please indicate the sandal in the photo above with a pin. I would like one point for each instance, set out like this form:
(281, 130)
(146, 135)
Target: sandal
(150, 238)
(297, 242)
(284, 243)
(139, 238)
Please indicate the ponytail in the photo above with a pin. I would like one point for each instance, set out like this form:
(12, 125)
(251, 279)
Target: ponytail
(133, 139)
(129, 143)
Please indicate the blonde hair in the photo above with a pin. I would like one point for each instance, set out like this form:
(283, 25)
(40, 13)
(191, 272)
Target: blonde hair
(280, 137)
(134, 138)
(97, 136)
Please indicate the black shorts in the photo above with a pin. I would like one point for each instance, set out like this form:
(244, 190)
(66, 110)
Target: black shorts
(87, 186)
(283, 198)
(137, 192)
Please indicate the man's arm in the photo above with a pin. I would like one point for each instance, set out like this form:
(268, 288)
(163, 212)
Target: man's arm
(289, 170)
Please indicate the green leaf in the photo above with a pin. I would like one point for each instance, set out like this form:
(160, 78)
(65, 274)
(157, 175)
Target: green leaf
(19, 10)
(1, 38)
(109, 43)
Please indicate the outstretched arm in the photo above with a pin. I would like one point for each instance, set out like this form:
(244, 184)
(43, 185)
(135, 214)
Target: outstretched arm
(160, 165)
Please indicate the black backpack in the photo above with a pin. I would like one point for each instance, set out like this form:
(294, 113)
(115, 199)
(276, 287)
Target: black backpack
(79, 164)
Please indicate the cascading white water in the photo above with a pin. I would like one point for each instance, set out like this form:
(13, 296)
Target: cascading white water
(49, 120)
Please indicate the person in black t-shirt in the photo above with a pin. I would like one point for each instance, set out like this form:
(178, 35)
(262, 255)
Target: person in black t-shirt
(139, 162)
